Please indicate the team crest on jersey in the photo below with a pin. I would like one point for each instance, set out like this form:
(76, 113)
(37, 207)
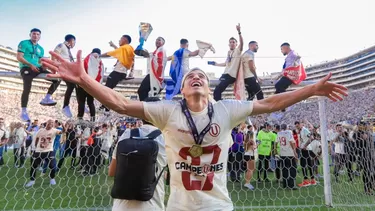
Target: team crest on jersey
(215, 130)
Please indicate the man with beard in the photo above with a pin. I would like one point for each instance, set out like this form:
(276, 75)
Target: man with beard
(251, 78)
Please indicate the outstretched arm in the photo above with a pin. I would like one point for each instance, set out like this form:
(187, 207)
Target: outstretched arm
(74, 72)
(281, 101)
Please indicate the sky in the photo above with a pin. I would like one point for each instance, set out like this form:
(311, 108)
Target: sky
(318, 30)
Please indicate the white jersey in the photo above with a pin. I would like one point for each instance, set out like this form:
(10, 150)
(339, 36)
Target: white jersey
(305, 136)
(64, 51)
(285, 138)
(198, 183)
(19, 137)
(233, 62)
(156, 203)
(45, 139)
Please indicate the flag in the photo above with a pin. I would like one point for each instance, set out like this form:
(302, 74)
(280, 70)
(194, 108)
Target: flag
(295, 73)
(204, 47)
(157, 63)
(94, 66)
(239, 85)
(176, 73)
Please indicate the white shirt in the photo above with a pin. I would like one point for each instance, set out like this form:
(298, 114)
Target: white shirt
(198, 183)
(63, 51)
(119, 67)
(285, 138)
(19, 137)
(316, 147)
(85, 136)
(304, 134)
(107, 140)
(339, 145)
(185, 61)
(233, 62)
(157, 201)
(245, 58)
(45, 138)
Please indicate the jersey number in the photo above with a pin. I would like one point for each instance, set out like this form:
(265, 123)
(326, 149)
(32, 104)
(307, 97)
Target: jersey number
(190, 184)
(282, 141)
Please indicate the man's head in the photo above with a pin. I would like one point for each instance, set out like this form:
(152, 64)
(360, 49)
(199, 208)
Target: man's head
(184, 43)
(277, 128)
(125, 39)
(285, 48)
(232, 43)
(195, 83)
(298, 125)
(253, 46)
(70, 40)
(49, 124)
(36, 122)
(96, 52)
(267, 126)
(339, 128)
(283, 126)
(35, 35)
(159, 42)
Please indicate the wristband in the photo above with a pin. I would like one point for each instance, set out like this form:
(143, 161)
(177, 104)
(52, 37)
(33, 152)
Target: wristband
(239, 33)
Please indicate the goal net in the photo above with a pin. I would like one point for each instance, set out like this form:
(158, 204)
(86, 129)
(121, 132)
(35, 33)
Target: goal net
(343, 181)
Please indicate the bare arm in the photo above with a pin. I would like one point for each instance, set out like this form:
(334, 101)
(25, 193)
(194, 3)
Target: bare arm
(281, 101)
(253, 68)
(112, 99)
(104, 55)
(23, 60)
(220, 64)
(194, 53)
(240, 46)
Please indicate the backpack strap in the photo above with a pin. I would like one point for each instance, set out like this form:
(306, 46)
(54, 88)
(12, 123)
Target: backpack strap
(154, 134)
(134, 133)
(160, 174)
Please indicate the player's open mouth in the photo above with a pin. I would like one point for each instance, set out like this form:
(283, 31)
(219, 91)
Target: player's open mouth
(196, 84)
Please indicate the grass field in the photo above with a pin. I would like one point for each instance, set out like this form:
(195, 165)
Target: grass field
(75, 192)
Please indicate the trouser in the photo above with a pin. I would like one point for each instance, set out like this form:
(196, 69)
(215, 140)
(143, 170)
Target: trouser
(83, 160)
(112, 80)
(81, 98)
(343, 160)
(38, 158)
(225, 81)
(235, 165)
(279, 164)
(368, 174)
(27, 76)
(56, 147)
(263, 165)
(253, 89)
(289, 171)
(306, 163)
(1, 155)
(145, 88)
(93, 154)
(68, 93)
(282, 85)
(70, 151)
(19, 156)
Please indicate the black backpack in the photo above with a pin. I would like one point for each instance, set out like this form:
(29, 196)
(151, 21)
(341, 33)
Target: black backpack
(136, 167)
